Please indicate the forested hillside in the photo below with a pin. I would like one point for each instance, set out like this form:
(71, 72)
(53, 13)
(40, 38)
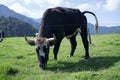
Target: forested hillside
(104, 29)
(14, 27)
(6, 12)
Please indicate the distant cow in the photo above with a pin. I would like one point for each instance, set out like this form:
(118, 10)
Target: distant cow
(1, 35)
(60, 22)
(35, 34)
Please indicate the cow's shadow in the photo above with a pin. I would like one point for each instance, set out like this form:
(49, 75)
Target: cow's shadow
(92, 64)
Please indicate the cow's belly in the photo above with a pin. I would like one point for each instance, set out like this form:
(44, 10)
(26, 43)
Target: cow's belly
(70, 33)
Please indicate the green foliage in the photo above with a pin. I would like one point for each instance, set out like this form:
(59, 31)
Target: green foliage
(14, 27)
(18, 60)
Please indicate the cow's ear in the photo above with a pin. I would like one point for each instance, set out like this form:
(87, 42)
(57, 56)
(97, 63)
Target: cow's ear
(52, 43)
(52, 39)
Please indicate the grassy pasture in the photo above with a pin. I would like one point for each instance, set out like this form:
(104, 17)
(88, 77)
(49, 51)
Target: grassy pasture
(18, 60)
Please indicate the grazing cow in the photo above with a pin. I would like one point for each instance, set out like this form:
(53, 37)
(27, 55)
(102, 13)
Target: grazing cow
(1, 35)
(60, 22)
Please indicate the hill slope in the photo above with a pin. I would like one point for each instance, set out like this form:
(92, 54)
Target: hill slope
(104, 29)
(13, 27)
(5, 11)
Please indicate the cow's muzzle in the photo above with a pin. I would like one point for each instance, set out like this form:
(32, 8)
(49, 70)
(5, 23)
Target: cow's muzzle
(43, 66)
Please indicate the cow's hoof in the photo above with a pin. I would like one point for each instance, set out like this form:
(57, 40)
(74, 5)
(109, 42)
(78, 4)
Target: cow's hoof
(43, 66)
(70, 56)
(87, 57)
(55, 58)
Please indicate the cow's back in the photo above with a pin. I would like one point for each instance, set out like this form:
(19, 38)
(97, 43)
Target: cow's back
(61, 16)
(61, 20)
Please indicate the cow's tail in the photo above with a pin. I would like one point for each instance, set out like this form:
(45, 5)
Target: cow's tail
(89, 36)
(96, 24)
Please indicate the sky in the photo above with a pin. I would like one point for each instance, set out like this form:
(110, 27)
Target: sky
(107, 11)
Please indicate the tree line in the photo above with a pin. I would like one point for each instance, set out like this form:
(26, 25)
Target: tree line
(14, 27)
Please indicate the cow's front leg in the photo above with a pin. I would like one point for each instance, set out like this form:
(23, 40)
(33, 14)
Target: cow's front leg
(56, 48)
(73, 45)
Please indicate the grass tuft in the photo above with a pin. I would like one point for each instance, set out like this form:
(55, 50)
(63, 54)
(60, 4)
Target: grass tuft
(12, 71)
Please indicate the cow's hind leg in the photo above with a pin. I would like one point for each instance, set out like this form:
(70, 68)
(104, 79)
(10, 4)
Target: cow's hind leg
(85, 41)
(73, 45)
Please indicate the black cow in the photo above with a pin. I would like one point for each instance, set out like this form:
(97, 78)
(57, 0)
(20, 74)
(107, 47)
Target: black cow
(61, 22)
(1, 35)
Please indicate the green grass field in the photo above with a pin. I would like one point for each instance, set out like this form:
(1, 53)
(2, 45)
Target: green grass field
(18, 60)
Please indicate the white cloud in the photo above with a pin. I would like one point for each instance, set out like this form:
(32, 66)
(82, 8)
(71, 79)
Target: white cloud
(42, 6)
(38, 12)
(68, 4)
(84, 6)
(112, 5)
(90, 6)
(27, 2)
(55, 2)
(19, 8)
(22, 10)
(38, 2)
(6, 1)
(44, 2)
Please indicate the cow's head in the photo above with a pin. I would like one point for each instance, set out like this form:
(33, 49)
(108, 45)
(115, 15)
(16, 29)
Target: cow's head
(42, 49)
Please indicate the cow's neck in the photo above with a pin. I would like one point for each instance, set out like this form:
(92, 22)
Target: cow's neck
(43, 33)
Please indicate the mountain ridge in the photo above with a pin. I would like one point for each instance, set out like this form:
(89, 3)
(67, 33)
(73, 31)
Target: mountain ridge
(104, 29)
(5, 11)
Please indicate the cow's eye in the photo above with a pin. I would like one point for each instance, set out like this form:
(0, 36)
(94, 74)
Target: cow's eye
(38, 48)
(46, 49)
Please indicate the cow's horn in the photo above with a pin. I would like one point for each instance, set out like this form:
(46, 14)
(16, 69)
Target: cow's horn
(30, 42)
(52, 39)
